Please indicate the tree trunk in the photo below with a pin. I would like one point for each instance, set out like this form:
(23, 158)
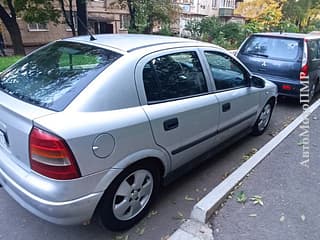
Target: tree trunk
(82, 17)
(10, 22)
(15, 35)
(132, 11)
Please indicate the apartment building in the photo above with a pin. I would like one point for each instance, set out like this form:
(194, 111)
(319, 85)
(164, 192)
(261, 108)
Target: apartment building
(198, 9)
(104, 16)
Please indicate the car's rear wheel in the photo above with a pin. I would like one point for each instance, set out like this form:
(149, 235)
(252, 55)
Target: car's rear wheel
(263, 120)
(129, 197)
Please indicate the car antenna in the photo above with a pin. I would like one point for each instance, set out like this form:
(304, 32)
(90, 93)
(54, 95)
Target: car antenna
(92, 38)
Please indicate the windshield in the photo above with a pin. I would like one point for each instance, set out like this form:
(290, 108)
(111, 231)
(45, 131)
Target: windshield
(273, 47)
(54, 75)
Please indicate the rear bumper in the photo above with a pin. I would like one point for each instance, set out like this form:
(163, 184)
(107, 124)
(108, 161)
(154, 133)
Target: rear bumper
(280, 82)
(59, 202)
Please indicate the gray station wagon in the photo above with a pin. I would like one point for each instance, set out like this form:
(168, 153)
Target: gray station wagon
(97, 125)
(290, 60)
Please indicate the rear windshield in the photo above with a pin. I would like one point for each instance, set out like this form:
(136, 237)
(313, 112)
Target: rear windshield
(54, 75)
(273, 48)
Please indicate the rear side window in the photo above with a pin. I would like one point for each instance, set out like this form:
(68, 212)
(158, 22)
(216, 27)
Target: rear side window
(173, 76)
(273, 47)
(54, 75)
(314, 49)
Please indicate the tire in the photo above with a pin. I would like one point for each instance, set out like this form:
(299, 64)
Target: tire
(129, 197)
(263, 120)
(312, 91)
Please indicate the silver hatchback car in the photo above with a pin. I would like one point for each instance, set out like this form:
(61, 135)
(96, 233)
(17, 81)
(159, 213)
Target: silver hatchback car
(98, 124)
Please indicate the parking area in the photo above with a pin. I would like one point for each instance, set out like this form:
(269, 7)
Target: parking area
(173, 205)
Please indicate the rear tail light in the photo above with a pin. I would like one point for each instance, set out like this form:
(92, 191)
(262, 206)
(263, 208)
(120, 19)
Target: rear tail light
(304, 72)
(287, 87)
(51, 156)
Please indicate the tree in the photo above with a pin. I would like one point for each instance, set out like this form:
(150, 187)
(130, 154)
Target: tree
(69, 15)
(301, 12)
(145, 13)
(39, 11)
(82, 16)
(267, 13)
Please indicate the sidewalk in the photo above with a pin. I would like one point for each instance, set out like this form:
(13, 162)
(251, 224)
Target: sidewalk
(290, 190)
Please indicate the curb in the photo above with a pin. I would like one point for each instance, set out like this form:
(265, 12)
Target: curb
(202, 211)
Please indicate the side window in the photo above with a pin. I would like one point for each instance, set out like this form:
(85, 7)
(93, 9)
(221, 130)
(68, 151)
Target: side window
(173, 76)
(226, 72)
(314, 50)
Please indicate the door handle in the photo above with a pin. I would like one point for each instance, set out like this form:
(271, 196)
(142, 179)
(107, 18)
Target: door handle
(226, 107)
(170, 124)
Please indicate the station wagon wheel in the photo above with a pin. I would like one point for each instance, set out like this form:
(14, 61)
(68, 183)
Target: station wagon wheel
(263, 119)
(129, 197)
(312, 91)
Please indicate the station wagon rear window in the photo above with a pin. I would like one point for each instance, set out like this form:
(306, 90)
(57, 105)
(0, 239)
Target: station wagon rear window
(273, 48)
(54, 75)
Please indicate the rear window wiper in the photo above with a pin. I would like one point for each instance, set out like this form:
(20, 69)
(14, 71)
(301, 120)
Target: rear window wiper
(258, 54)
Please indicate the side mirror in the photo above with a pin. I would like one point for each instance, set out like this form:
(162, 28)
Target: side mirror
(257, 82)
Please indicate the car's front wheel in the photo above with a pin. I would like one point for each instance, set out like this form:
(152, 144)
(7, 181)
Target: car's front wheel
(263, 120)
(129, 197)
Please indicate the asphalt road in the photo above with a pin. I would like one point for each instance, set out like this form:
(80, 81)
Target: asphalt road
(175, 201)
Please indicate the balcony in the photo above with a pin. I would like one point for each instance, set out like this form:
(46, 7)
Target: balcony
(226, 12)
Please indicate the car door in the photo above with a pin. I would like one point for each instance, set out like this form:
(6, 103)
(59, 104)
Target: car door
(174, 92)
(238, 101)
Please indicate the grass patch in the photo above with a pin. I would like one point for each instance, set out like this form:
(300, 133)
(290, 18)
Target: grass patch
(5, 62)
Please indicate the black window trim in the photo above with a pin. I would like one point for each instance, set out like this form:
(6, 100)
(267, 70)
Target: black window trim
(171, 52)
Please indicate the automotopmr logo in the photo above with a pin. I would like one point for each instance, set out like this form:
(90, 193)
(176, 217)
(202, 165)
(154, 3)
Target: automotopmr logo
(305, 125)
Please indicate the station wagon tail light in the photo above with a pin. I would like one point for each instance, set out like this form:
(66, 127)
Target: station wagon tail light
(51, 156)
(304, 72)
(286, 87)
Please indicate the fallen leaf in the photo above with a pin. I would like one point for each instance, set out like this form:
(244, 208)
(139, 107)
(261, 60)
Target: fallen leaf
(180, 214)
(256, 199)
(165, 237)
(122, 237)
(241, 197)
(141, 231)
(188, 198)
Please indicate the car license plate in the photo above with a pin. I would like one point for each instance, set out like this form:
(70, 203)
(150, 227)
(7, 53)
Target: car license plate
(3, 142)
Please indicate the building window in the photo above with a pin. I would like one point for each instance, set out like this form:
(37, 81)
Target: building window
(124, 22)
(75, 21)
(214, 4)
(228, 4)
(34, 27)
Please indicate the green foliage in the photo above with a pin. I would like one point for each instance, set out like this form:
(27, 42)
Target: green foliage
(145, 13)
(166, 31)
(211, 29)
(39, 11)
(5, 62)
(194, 26)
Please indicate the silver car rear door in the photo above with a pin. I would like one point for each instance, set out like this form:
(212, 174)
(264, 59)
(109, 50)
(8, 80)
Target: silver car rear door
(174, 92)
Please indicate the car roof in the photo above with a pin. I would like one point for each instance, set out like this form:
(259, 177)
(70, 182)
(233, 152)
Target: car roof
(131, 42)
(289, 35)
